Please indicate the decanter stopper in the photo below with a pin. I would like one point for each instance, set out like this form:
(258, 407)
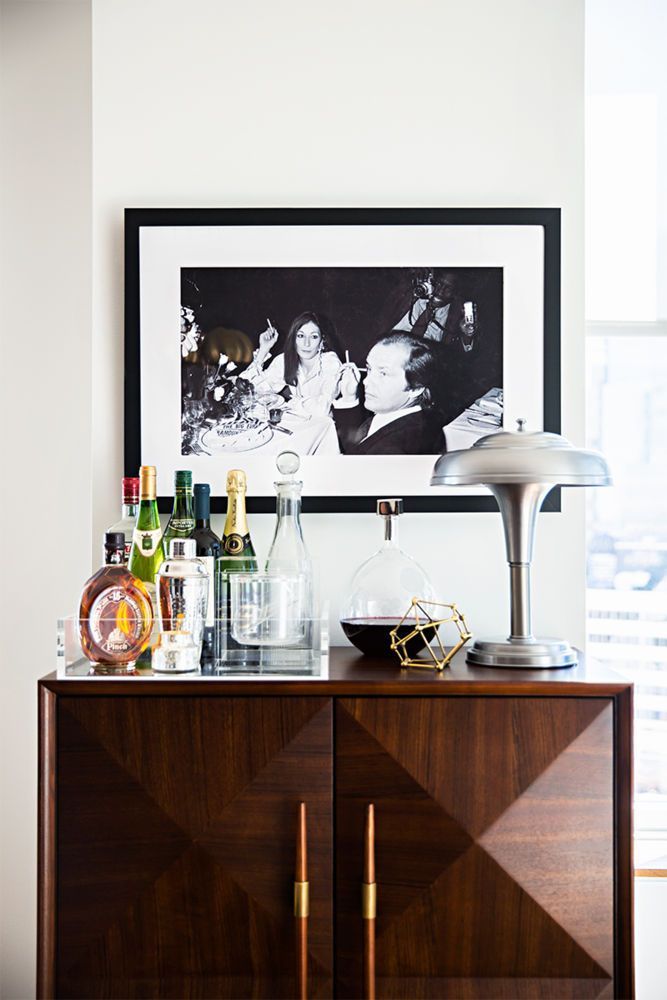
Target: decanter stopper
(390, 508)
(288, 464)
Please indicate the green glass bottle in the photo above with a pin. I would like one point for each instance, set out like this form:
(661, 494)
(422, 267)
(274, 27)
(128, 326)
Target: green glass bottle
(182, 521)
(147, 553)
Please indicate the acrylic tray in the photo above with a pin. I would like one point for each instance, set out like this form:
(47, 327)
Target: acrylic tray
(305, 657)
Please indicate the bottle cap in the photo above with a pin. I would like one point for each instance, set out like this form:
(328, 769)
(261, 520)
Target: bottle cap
(182, 548)
(114, 540)
(390, 508)
(236, 481)
(130, 489)
(183, 479)
(202, 500)
(148, 479)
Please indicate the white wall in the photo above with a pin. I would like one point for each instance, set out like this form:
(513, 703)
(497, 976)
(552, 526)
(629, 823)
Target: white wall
(219, 103)
(388, 102)
(45, 269)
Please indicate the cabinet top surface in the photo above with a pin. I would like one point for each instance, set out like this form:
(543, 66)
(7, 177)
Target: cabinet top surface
(349, 673)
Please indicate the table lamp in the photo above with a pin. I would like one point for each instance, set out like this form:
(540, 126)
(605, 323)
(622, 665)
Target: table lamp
(520, 468)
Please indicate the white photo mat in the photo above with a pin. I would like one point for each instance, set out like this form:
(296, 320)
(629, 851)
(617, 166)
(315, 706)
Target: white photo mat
(163, 250)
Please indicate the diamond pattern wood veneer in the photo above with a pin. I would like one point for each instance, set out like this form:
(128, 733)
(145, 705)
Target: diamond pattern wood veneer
(494, 844)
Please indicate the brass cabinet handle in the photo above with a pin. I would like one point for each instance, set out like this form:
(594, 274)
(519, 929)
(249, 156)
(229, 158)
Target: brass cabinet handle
(301, 904)
(369, 903)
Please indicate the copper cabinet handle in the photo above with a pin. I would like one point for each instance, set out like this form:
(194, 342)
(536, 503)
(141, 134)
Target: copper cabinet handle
(369, 903)
(301, 905)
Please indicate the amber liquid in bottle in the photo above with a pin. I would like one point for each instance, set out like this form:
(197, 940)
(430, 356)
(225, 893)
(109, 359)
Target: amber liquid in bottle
(115, 612)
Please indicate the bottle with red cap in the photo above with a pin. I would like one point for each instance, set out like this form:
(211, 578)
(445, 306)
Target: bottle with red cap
(130, 502)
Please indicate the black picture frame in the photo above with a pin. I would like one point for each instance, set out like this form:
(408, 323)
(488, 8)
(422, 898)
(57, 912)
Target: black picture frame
(549, 219)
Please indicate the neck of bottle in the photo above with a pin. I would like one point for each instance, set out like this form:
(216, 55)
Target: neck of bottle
(288, 504)
(390, 531)
(130, 508)
(147, 515)
(236, 522)
(202, 511)
(183, 504)
(114, 557)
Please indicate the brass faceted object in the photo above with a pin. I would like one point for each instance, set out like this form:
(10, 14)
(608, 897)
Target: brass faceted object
(425, 626)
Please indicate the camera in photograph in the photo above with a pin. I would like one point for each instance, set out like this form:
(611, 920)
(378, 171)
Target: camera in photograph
(422, 284)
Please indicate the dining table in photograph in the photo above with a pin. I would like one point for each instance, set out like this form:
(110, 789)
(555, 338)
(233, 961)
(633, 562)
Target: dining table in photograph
(306, 434)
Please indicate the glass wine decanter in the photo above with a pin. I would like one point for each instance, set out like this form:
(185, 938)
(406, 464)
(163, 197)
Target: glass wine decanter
(382, 590)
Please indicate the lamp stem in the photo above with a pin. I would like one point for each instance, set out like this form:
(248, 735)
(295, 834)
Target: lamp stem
(519, 504)
(520, 611)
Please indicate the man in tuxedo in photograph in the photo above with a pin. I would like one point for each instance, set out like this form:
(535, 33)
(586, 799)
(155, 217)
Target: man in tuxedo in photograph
(398, 415)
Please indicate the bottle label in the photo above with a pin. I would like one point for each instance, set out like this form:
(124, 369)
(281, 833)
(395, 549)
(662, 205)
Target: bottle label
(147, 541)
(236, 522)
(116, 621)
(181, 524)
(234, 544)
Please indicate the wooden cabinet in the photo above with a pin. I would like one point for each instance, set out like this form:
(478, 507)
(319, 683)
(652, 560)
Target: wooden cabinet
(502, 824)
(176, 844)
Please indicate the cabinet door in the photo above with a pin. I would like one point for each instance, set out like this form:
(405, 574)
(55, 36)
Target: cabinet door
(177, 824)
(494, 845)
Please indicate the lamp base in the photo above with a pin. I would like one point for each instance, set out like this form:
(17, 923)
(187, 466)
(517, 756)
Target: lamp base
(522, 654)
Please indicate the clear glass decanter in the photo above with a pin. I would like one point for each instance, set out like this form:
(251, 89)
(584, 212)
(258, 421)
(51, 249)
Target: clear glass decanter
(288, 556)
(381, 591)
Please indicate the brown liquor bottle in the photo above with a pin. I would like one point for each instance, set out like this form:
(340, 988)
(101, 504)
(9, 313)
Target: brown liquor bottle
(115, 612)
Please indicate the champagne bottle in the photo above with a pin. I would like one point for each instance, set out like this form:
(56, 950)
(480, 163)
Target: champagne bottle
(182, 521)
(147, 552)
(236, 541)
(237, 556)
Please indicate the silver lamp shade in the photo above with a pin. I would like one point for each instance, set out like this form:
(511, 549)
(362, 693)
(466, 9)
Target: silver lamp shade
(520, 468)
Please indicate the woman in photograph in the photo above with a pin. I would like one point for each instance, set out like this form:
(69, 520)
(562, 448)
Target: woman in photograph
(307, 373)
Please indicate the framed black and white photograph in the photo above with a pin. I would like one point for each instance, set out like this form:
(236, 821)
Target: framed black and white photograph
(367, 341)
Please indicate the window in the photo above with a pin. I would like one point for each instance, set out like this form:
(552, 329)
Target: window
(626, 358)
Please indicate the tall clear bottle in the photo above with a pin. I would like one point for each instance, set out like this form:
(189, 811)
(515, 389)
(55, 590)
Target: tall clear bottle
(382, 589)
(129, 509)
(288, 555)
(147, 553)
(182, 521)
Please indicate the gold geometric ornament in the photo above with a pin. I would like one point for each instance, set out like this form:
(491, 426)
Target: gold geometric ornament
(426, 626)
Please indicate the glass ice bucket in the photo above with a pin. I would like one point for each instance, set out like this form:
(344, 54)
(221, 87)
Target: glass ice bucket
(269, 610)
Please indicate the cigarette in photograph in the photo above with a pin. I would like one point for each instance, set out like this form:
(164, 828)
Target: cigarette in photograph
(347, 357)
